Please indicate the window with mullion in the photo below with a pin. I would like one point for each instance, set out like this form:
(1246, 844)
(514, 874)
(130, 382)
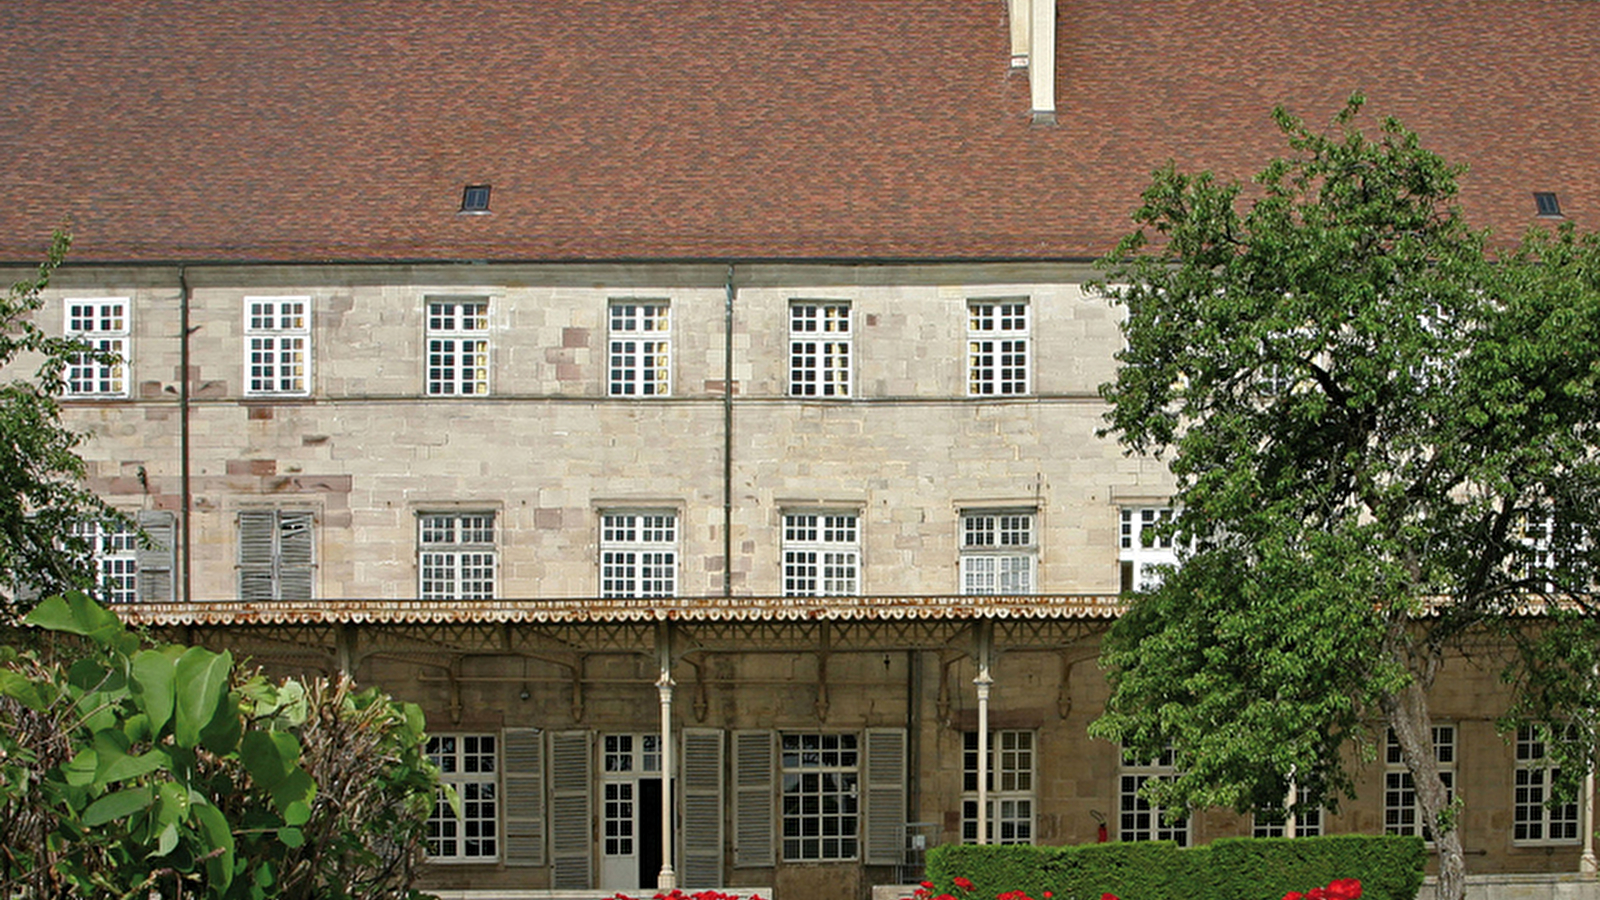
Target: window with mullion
(997, 348)
(100, 369)
(821, 554)
(458, 348)
(469, 764)
(1401, 812)
(115, 547)
(640, 349)
(1138, 818)
(278, 342)
(1535, 819)
(819, 349)
(1141, 548)
(456, 556)
(820, 795)
(1274, 822)
(998, 552)
(1010, 787)
(639, 554)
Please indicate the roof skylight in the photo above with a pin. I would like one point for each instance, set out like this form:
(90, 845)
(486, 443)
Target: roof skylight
(475, 198)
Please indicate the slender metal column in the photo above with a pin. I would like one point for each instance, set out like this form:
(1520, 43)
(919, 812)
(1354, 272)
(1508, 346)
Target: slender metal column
(667, 879)
(1587, 864)
(984, 682)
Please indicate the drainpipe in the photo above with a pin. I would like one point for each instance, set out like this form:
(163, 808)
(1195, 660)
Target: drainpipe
(727, 436)
(184, 531)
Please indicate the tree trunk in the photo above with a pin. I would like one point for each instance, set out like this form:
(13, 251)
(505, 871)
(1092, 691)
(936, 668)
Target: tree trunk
(1407, 712)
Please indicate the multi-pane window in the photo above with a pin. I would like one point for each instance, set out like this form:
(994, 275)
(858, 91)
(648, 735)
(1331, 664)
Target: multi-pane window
(276, 554)
(101, 369)
(456, 555)
(640, 349)
(458, 348)
(277, 345)
(997, 348)
(1010, 788)
(639, 554)
(821, 554)
(1401, 813)
(115, 547)
(1138, 818)
(1534, 817)
(467, 763)
(1307, 819)
(1141, 548)
(623, 757)
(998, 552)
(821, 779)
(819, 349)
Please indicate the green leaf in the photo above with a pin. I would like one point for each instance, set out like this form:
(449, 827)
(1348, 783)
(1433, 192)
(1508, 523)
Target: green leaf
(154, 677)
(291, 837)
(76, 613)
(19, 688)
(218, 836)
(115, 806)
(202, 678)
(167, 839)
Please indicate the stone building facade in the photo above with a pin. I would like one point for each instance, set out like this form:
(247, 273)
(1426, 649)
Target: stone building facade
(490, 491)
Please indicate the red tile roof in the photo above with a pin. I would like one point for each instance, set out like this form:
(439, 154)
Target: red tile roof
(297, 131)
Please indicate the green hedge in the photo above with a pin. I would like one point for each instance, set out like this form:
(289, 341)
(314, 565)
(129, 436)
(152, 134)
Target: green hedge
(1390, 868)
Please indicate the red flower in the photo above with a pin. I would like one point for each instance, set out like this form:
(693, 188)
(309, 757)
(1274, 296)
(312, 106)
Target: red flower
(1293, 895)
(1108, 896)
(928, 885)
(1048, 895)
(962, 883)
(1345, 889)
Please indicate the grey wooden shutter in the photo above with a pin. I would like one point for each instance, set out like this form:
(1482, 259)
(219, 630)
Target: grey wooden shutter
(257, 554)
(153, 560)
(885, 796)
(702, 808)
(522, 780)
(753, 806)
(571, 826)
(296, 554)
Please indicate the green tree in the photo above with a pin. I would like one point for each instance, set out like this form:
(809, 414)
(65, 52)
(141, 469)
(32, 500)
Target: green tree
(1384, 445)
(128, 769)
(42, 495)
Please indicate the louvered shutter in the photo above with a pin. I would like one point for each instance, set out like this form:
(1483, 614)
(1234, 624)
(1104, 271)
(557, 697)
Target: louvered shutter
(571, 828)
(257, 554)
(522, 777)
(753, 807)
(885, 796)
(153, 560)
(702, 808)
(296, 554)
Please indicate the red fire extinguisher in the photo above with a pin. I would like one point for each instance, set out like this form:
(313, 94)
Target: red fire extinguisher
(1100, 834)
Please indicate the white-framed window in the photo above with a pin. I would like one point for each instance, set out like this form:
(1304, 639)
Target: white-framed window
(277, 345)
(456, 555)
(640, 349)
(820, 348)
(1401, 814)
(821, 796)
(999, 551)
(102, 324)
(1141, 549)
(469, 764)
(1307, 819)
(1010, 789)
(639, 553)
(1140, 820)
(1534, 819)
(997, 347)
(624, 757)
(458, 347)
(116, 560)
(277, 554)
(821, 554)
